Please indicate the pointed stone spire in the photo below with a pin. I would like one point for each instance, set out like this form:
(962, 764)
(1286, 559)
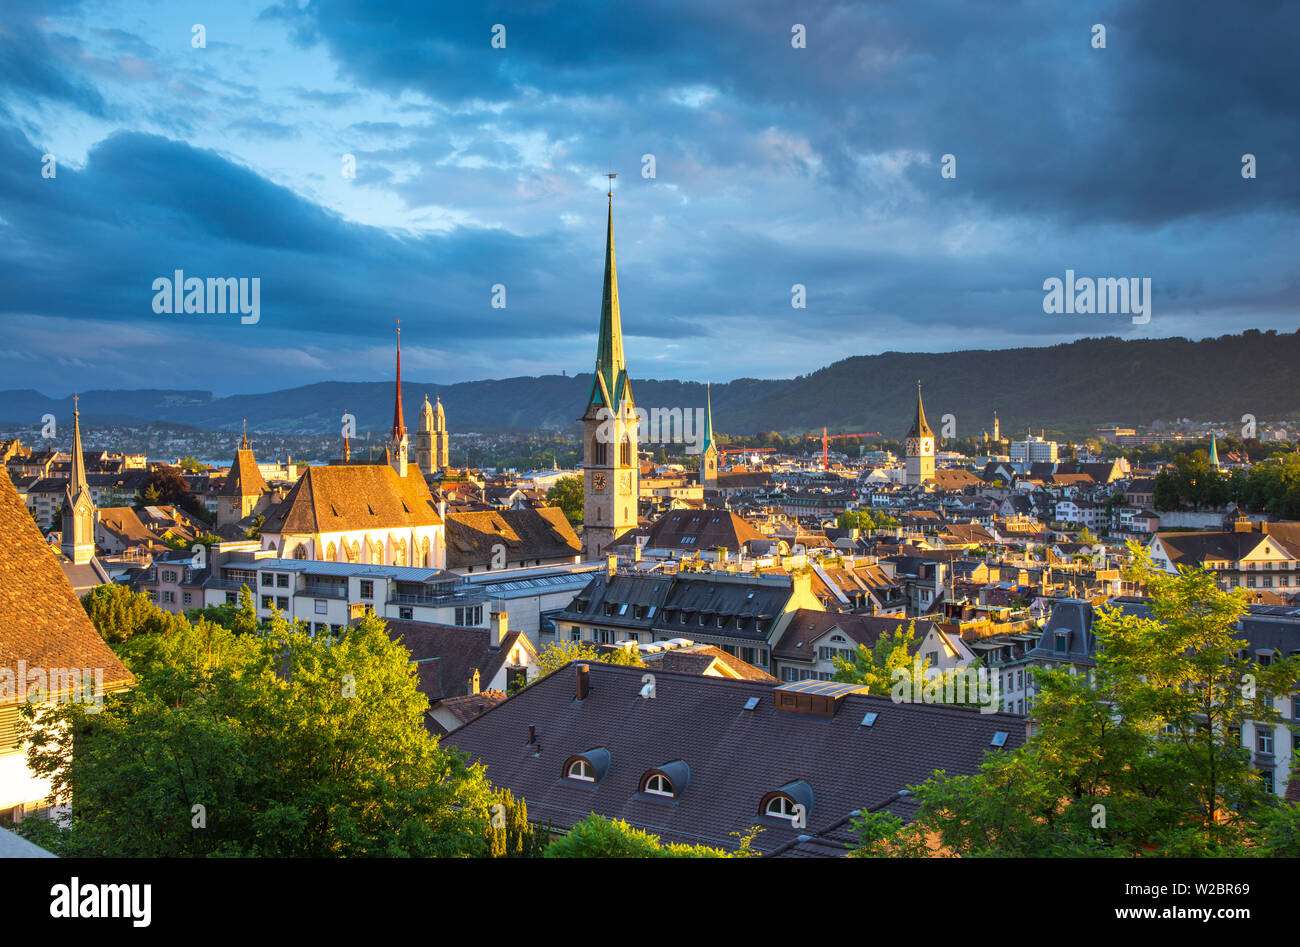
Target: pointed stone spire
(243, 444)
(79, 514)
(610, 385)
(77, 476)
(919, 427)
(1214, 451)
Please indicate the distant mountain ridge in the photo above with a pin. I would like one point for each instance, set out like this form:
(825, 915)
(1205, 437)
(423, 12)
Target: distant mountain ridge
(1072, 387)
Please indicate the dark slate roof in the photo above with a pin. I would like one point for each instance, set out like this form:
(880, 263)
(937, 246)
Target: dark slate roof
(447, 656)
(735, 756)
(657, 603)
(806, 626)
(1073, 617)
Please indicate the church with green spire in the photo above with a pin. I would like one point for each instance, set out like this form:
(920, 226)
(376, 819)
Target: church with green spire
(708, 449)
(610, 461)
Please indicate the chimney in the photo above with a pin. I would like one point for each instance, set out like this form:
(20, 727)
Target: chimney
(611, 565)
(584, 682)
(442, 509)
(500, 628)
(636, 552)
(474, 682)
(532, 734)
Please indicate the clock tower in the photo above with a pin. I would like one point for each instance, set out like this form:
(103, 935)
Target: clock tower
(920, 447)
(610, 463)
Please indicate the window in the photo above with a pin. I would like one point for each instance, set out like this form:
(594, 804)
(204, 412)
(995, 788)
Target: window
(282, 602)
(1266, 777)
(169, 596)
(268, 578)
(1062, 641)
(188, 598)
(1263, 739)
(169, 575)
(367, 589)
(469, 616)
(268, 601)
(782, 807)
(658, 785)
(282, 580)
(404, 614)
(582, 771)
(322, 607)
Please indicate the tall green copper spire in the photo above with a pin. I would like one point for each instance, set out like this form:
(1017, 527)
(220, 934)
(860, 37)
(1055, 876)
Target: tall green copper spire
(610, 385)
(1214, 452)
(708, 418)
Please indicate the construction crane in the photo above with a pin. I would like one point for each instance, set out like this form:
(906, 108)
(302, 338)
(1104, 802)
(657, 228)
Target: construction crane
(722, 454)
(827, 438)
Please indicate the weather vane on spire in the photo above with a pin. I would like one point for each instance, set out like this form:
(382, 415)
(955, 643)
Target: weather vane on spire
(611, 175)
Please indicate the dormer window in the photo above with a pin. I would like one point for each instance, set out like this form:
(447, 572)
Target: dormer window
(582, 771)
(589, 767)
(658, 785)
(792, 803)
(782, 807)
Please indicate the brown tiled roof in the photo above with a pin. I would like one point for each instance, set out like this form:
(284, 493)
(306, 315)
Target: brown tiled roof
(244, 479)
(955, 479)
(41, 620)
(471, 705)
(358, 496)
(123, 521)
(707, 529)
(806, 626)
(733, 757)
(447, 655)
(699, 658)
(541, 533)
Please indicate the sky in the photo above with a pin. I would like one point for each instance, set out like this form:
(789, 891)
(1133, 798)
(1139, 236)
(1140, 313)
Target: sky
(776, 162)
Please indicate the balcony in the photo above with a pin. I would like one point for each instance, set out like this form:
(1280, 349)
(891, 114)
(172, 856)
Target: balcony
(434, 601)
(232, 584)
(324, 591)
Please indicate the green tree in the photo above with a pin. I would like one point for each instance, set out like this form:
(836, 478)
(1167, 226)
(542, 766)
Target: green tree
(260, 745)
(1145, 758)
(511, 835)
(241, 619)
(559, 653)
(567, 495)
(119, 614)
(598, 837)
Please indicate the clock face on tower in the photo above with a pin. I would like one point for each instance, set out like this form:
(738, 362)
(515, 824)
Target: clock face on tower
(598, 481)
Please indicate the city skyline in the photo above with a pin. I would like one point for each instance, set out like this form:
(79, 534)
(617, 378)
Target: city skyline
(478, 167)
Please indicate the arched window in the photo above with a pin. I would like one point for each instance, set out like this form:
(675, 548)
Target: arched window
(781, 807)
(658, 785)
(793, 803)
(581, 770)
(589, 767)
(426, 557)
(331, 554)
(599, 453)
(300, 551)
(625, 453)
